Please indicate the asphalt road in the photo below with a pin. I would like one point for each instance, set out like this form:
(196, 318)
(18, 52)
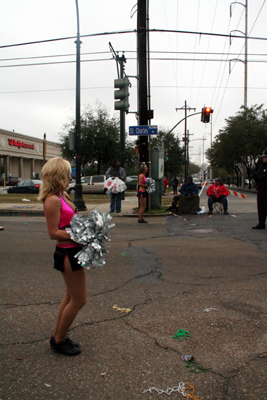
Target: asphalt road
(203, 274)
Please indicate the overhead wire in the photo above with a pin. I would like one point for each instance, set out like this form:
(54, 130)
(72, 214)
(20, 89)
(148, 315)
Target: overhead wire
(193, 70)
(166, 21)
(222, 75)
(128, 51)
(238, 56)
(129, 58)
(129, 31)
(203, 69)
(228, 76)
(111, 87)
(177, 97)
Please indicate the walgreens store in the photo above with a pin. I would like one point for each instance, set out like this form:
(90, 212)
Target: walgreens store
(23, 156)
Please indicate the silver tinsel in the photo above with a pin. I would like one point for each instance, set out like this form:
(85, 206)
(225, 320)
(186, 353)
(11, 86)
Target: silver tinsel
(150, 183)
(92, 233)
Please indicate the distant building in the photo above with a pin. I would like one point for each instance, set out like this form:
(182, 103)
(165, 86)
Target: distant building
(22, 156)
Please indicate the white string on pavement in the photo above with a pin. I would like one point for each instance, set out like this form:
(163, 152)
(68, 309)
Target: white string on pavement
(169, 391)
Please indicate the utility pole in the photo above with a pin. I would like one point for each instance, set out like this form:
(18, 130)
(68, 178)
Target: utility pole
(44, 149)
(142, 82)
(245, 68)
(186, 139)
(78, 199)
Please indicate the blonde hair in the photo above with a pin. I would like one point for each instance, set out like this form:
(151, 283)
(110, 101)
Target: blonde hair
(142, 168)
(55, 177)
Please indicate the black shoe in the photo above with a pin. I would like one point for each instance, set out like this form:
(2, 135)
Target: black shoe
(209, 212)
(142, 221)
(226, 212)
(65, 347)
(258, 227)
(74, 344)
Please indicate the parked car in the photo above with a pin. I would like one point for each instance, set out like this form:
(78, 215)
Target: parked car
(12, 180)
(90, 184)
(197, 182)
(133, 184)
(26, 186)
(9, 181)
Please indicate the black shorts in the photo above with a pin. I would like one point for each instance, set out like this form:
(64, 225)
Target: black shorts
(61, 253)
(142, 194)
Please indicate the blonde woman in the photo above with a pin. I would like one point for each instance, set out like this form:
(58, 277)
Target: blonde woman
(59, 211)
(142, 194)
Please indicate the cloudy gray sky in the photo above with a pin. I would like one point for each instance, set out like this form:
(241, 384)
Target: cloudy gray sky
(37, 81)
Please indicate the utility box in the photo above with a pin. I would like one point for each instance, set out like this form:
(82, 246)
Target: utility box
(157, 173)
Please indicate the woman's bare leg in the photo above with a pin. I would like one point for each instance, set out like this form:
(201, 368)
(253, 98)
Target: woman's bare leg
(63, 304)
(142, 207)
(76, 290)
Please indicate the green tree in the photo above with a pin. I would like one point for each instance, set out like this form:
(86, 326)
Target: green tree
(100, 140)
(193, 168)
(241, 141)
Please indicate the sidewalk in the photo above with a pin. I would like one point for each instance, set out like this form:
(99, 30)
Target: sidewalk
(128, 205)
(28, 208)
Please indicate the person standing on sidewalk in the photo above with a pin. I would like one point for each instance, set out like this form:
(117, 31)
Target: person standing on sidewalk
(116, 171)
(59, 211)
(142, 194)
(260, 178)
(165, 185)
(175, 184)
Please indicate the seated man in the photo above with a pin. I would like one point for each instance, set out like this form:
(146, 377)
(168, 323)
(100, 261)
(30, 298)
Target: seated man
(217, 193)
(189, 199)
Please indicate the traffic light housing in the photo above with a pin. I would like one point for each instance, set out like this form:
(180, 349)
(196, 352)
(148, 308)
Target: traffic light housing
(122, 94)
(205, 114)
(167, 155)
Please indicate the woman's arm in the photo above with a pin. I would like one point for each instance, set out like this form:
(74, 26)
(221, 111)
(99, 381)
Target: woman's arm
(52, 206)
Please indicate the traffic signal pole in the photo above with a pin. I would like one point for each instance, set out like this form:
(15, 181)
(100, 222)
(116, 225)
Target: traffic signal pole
(123, 104)
(142, 82)
(122, 124)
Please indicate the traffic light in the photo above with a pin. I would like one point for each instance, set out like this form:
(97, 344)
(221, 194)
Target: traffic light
(122, 94)
(205, 114)
(167, 155)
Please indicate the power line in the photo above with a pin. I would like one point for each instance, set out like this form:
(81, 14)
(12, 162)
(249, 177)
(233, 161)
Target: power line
(132, 31)
(130, 51)
(129, 58)
(111, 88)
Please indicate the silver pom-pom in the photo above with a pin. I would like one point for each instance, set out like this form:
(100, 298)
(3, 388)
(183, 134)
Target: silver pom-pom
(92, 233)
(150, 183)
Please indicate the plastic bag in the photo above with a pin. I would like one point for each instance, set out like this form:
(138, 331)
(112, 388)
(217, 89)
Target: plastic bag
(202, 211)
(114, 185)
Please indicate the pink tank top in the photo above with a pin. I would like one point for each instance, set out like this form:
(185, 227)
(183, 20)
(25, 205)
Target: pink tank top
(143, 181)
(66, 214)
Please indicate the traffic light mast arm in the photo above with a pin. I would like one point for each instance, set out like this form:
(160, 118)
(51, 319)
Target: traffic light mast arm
(182, 121)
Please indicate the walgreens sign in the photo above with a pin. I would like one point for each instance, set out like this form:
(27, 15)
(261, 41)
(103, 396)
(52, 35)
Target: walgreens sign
(19, 144)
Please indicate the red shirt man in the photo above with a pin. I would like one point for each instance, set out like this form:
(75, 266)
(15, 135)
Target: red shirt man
(217, 193)
(165, 184)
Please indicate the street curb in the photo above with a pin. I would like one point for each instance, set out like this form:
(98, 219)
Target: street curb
(34, 213)
(8, 213)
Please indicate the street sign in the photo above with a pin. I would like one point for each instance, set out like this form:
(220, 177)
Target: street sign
(143, 130)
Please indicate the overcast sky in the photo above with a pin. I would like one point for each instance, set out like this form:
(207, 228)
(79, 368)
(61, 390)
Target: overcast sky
(184, 66)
